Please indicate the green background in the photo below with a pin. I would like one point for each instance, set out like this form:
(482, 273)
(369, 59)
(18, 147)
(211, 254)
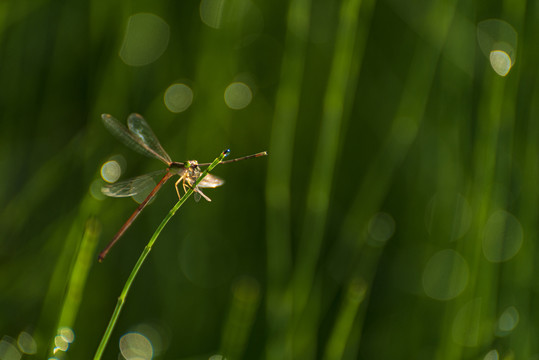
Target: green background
(395, 216)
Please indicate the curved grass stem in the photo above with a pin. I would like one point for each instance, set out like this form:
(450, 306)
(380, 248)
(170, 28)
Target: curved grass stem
(142, 258)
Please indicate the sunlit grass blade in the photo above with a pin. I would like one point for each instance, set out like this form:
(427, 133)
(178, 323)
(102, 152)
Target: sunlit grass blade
(144, 255)
(282, 144)
(345, 319)
(78, 275)
(337, 101)
(241, 316)
(77, 238)
(379, 172)
(278, 197)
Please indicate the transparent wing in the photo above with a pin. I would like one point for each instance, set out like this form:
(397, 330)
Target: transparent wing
(133, 141)
(138, 185)
(211, 181)
(140, 128)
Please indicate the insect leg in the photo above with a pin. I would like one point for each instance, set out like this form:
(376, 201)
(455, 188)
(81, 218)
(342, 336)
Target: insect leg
(182, 178)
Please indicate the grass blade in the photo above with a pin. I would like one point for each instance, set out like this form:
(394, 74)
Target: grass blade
(144, 255)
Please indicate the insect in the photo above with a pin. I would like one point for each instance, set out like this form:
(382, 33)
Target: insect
(139, 136)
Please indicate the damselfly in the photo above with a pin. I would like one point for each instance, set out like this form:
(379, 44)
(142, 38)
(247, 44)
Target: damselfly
(139, 136)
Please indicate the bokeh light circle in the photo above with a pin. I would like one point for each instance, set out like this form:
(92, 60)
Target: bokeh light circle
(492, 355)
(145, 40)
(27, 344)
(60, 343)
(178, 97)
(498, 42)
(381, 228)
(508, 320)
(111, 171)
(211, 12)
(500, 62)
(446, 275)
(502, 237)
(135, 346)
(238, 95)
(8, 350)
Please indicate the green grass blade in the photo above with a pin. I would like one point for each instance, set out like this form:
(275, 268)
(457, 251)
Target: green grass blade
(144, 255)
(346, 317)
(282, 142)
(342, 78)
(278, 197)
(241, 316)
(78, 275)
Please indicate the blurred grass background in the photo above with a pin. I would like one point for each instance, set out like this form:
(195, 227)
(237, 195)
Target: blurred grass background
(395, 216)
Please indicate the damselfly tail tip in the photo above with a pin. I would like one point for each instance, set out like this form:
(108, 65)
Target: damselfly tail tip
(226, 152)
(263, 153)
